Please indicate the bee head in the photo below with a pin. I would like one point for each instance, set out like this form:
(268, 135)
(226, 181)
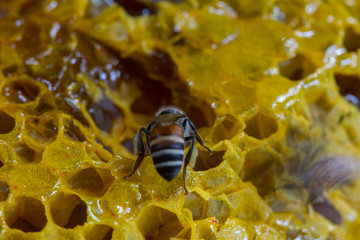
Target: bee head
(169, 110)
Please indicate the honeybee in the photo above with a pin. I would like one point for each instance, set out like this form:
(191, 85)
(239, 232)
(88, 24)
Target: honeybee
(312, 165)
(166, 136)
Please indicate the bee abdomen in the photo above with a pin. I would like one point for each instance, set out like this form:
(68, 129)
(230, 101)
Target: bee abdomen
(167, 150)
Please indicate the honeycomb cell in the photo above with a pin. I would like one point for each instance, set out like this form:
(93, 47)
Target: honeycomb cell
(68, 210)
(248, 205)
(225, 127)
(48, 65)
(74, 132)
(236, 229)
(32, 179)
(125, 199)
(158, 223)
(7, 123)
(57, 154)
(199, 112)
(104, 113)
(26, 214)
(91, 181)
(8, 71)
(70, 108)
(351, 39)
(196, 204)
(45, 104)
(42, 129)
(206, 161)
(349, 87)
(4, 190)
(155, 94)
(215, 180)
(296, 68)
(258, 169)
(21, 91)
(206, 229)
(219, 208)
(163, 88)
(26, 154)
(106, 67)
(261, 126)
(136, 8)
(99, 232)
(161, 66)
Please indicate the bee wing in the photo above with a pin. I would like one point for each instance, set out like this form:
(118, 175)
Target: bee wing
(332, 171)
(193, 157)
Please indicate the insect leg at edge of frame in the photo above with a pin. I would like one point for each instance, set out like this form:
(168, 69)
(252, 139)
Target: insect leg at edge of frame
(187, 158)
(141, 148)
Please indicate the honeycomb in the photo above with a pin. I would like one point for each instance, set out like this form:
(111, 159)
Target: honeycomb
(272, 87)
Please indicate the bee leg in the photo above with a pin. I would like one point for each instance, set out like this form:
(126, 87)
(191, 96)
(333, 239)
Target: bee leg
(197, 135)
(139, 140)
(140, 149)
(187, 159)
(136, 165)
(202, 142)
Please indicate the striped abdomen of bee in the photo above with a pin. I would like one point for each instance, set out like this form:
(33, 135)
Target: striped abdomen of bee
(167, 149)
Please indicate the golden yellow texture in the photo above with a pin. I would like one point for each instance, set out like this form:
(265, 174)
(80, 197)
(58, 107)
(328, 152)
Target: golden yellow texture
(272, 87)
